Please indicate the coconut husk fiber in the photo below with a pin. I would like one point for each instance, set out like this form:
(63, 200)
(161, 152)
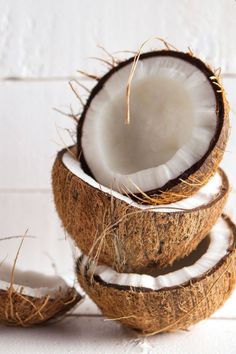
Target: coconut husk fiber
(17, 309)
(167, 309)
(123, 236)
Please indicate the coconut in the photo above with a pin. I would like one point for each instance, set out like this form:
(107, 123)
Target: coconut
(29, 297)
(177, 131)
(189, 291)
(124, 234)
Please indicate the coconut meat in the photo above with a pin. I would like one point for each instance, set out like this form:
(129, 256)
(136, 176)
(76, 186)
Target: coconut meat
(30, 283)
(193, 266)
(204, 196)
(173, 120)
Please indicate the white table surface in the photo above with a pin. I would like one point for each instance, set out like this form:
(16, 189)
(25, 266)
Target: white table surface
(86, 332)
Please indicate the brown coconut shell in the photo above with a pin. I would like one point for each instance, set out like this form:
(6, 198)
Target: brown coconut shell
(17, 309)
(167, 309)
(191, 180)
(123, 236)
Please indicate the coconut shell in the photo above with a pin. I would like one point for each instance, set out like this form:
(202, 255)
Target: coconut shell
(191, 180)
(18, 309)
(167, 309)
(137, 238)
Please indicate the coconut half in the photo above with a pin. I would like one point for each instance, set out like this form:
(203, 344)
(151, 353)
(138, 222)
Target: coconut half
(29, 298)
(127, 235)
(177, 133)
(189, 291)
(33, 298)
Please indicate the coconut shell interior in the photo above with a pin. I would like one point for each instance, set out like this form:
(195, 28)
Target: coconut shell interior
(197, 175)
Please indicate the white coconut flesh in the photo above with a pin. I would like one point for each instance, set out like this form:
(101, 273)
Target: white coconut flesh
(173, 120)
(30, 283)
(204, 196)
(205, 257)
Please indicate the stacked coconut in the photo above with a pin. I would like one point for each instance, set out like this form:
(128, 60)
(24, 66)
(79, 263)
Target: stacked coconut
(143, 201)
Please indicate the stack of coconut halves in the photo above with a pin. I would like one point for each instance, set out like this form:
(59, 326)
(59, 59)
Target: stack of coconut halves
(142, 195)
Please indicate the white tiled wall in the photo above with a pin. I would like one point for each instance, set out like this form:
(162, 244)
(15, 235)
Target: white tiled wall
(42, 44)
(54, 38)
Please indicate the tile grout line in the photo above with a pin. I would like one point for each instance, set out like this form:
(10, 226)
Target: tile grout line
(40, 79)
(67, 78)
(85, 315)
(223, 318)
(25, 190)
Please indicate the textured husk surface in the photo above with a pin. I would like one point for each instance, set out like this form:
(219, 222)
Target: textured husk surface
(191, 180)
(167, 309)
(17, 309)
(124, 237)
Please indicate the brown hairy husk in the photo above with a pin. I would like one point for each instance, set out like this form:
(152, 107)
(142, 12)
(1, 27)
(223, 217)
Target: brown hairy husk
(17, 309)
(123, 236)
(167, 309)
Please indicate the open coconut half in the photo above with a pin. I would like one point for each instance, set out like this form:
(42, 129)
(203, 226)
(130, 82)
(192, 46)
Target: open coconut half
(127, 235)
(29, 298)
(33, 298)
(177, 133)
(189, 291)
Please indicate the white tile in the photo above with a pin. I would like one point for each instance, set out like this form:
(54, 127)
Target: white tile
(207, 337)
(31, 131)
(87, 308)
(89, 335)
(51, 38)
(35, 212)
(228, 310)
(50, 251)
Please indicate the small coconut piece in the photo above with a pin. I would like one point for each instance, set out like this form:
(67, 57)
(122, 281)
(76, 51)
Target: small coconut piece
(177, 132)
(127, 235)
(189, 291)
(29, 298)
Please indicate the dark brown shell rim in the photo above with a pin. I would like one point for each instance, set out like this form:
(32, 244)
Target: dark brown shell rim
(224, 186)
